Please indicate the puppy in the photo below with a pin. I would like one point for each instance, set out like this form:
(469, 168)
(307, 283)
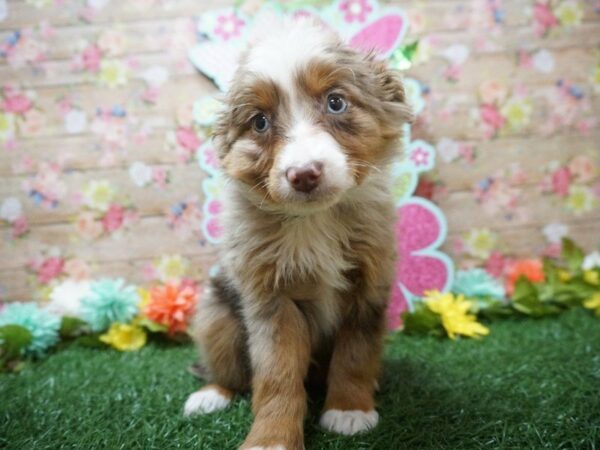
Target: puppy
(309, 130)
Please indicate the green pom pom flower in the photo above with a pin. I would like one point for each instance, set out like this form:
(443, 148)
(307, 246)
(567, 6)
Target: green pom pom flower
(42, 325)
(477, 283)
(109, 301)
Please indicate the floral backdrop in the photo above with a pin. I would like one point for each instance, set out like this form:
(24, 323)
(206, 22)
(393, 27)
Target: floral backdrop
(98, 133)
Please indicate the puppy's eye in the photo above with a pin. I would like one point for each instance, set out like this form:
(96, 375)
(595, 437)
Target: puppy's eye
(260, 123)
(336, 104)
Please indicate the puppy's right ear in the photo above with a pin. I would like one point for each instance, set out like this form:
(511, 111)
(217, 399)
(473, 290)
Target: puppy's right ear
(392, 91)
(223, 130)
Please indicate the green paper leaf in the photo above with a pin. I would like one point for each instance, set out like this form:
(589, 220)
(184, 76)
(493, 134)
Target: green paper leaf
(13, 340)
(422, 321)
(91, 341)
(402, 58)
(71, 327)
(550, 271)
(490, 307)
(572, 255)
(152, 326)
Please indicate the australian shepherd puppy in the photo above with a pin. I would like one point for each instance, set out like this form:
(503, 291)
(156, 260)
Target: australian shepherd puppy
(309, 129)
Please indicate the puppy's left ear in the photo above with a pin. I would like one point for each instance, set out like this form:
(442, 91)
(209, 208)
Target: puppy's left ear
(392, 93)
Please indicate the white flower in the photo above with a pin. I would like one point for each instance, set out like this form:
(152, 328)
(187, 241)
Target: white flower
(98, 194)
(554, 232)
(457, 54)
(155, 76)
(140, 173)
(591, 261)
(65, 299)
(11, 209)
(543, 61)
(75, 121)
(171, 268)
(113, 73)
(448, 149)
(3, 10)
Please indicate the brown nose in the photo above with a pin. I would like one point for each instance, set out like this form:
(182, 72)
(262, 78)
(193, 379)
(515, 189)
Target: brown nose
(305, 178)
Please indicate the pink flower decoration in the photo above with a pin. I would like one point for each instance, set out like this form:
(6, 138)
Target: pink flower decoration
(215, 207)
(355, 10)
(496, 265)
(544, 17)
(92, 56)
(214, 228)
(187, 138)
(228, 26)
(50, 269)
(491, 116)
(113, 219)
(20, 227)
(561, 180)
(160, 176)
(418, 269)
(420, 157)
(18, 104)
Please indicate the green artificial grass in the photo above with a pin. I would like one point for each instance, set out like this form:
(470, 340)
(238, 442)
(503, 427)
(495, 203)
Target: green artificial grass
(530, 384)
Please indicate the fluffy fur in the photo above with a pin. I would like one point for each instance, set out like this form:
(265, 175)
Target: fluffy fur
(306, 274)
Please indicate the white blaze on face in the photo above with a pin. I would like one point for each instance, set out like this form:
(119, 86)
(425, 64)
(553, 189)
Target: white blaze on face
(279, 56)
(290, 44)
(308, 144)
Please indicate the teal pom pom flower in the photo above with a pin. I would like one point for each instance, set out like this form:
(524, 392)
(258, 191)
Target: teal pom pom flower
(109, 301)
(42, 325)
(477, 283)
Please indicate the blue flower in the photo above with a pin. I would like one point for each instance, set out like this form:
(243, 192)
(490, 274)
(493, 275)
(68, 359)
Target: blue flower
(42, 325)
(110, 301)
(477, 283)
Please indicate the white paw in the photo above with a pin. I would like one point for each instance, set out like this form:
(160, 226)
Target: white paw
(205, 401)
(348, 422)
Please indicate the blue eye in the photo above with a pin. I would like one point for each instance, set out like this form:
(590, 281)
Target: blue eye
(260, 123)
(336, 104)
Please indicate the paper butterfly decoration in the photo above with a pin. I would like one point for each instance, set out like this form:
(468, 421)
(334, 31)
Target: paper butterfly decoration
(421, 226)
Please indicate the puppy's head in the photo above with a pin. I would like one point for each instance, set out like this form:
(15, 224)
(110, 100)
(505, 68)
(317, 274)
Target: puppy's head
(307, 118)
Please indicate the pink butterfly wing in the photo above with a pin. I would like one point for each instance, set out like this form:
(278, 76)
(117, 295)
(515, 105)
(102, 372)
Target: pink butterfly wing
(418, 230)
(382, 35)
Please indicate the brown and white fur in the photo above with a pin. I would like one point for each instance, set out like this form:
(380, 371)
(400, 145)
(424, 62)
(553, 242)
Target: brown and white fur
(308, 254)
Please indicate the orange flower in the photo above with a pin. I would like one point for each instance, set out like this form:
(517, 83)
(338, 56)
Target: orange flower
(172, 305)
(532, 269)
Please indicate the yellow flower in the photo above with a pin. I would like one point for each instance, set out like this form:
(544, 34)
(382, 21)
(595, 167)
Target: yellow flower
(124, 337)
(569, 13)
(99, 194)
(480, 242)
(593, 303)
(591, 277)
(517, 112)
(581, 199)
(455, 314)
(144, 295)
(564, 276)
(171, 268)
(113, 73)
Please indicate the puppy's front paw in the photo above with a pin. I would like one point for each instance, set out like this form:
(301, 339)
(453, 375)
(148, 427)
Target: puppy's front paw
(209, 399)
(349, 422)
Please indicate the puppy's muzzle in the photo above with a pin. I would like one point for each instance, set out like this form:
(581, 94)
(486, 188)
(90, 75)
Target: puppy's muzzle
(305, 178)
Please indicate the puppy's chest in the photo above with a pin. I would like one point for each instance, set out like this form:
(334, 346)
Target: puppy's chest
(312, 250)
